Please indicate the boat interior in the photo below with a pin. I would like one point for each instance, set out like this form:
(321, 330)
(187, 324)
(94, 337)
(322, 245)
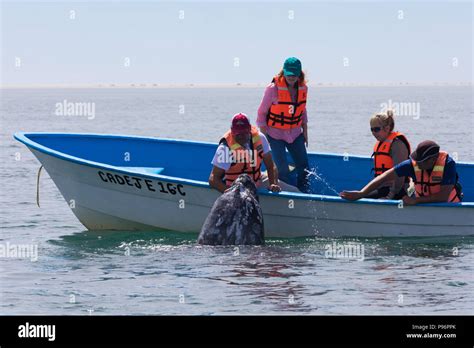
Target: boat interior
(330, 173)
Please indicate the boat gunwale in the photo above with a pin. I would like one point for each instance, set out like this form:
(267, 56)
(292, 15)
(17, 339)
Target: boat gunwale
(23, 138)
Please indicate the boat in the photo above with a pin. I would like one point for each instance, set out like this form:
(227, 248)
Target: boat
(119, 182)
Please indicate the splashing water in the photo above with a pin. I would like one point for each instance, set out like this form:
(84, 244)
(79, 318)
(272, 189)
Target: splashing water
(322, 209)
(322, 180)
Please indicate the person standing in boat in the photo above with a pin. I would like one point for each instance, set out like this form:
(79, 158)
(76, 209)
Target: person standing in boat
(390, 149)
(243, 149)
(282, 117)
(433, 172)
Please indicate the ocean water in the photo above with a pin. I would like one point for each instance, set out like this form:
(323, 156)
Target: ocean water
(102, 272)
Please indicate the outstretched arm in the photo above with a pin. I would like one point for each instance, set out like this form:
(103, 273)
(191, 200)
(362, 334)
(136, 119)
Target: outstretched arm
(389, 175)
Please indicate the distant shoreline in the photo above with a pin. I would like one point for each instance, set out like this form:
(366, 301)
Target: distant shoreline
(224, 85)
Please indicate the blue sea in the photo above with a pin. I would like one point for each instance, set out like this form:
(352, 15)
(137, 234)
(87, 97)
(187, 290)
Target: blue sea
(81, 272)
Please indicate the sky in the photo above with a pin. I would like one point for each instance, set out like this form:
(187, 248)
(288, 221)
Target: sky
(183, 42)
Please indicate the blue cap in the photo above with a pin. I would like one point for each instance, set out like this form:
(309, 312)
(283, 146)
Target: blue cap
(292, 67)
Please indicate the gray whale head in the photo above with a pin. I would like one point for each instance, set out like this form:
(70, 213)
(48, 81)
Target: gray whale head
(245, 182)
(236, 217)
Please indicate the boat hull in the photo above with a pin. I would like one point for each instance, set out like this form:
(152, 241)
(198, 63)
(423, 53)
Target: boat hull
(104, 198)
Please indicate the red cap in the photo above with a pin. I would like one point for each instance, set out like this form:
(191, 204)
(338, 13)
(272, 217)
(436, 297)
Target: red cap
(240, 124)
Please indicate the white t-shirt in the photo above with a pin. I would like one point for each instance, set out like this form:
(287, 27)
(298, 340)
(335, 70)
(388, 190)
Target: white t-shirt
(221, 149)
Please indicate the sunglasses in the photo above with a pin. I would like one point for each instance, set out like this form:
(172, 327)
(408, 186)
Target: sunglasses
(375, 129)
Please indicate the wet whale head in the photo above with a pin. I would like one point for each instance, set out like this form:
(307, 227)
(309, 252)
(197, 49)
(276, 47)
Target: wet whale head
(236, 217)
(244, 182)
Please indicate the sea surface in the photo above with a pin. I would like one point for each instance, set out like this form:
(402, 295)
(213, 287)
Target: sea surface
(80, 272)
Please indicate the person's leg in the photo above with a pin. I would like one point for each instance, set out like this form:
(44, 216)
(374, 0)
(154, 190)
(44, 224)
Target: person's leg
(279, 157)
(297, 150)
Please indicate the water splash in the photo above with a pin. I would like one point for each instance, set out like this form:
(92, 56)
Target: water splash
(318, 177)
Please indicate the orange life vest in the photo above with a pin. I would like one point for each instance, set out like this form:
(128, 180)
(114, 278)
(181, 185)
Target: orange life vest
(243, 160)
(428, 184)
(383, 161)
(287, 114)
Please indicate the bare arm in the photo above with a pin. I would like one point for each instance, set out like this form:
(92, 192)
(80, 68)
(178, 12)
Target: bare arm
(215, 179)
(389, 175)
(272, 172)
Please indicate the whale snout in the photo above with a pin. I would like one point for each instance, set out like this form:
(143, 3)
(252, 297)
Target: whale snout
(236, 217)
(245, 181)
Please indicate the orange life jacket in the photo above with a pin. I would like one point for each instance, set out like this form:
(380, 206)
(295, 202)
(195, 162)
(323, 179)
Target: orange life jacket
(287, 114)
(383, 161)
(243, 160)
(428, 184)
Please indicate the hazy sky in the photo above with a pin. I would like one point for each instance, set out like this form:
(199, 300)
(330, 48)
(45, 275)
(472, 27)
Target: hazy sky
(223, 42)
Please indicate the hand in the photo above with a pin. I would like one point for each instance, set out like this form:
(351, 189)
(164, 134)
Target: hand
(408, 200)
(351, 195)
(263, 129)
(305, 135)
(274, 188)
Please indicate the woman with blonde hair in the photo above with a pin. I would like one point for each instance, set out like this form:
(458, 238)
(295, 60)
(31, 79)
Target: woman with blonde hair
(390, 149)
(283, 119)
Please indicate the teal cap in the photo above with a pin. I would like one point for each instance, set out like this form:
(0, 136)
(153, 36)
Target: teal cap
(292, 67)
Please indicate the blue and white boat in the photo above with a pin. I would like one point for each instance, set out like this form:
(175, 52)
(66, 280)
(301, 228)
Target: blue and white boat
(118, 182)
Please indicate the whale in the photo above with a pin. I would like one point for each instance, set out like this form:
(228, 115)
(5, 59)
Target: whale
(236, 217)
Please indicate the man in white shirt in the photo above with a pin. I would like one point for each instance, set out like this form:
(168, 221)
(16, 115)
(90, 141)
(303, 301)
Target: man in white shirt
(242, 150)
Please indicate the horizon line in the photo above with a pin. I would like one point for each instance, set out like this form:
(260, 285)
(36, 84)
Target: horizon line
(226, 85)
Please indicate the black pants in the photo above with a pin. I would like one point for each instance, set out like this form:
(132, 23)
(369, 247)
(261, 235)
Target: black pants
(384, 191)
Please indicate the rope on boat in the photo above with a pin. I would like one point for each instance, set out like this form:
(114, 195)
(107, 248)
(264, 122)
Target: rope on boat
(38, 186)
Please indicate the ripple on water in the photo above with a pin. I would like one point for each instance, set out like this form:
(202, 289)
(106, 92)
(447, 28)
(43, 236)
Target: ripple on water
(162, 272)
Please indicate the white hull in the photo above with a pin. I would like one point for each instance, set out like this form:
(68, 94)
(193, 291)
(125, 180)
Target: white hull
(105, 205)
